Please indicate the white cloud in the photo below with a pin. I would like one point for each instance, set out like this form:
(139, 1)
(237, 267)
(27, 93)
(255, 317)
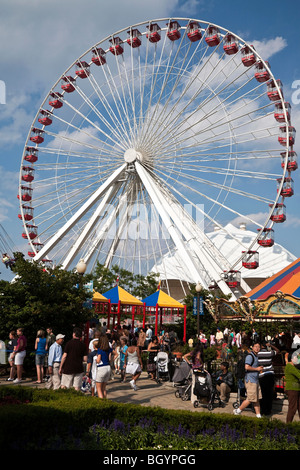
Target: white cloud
(266, 48)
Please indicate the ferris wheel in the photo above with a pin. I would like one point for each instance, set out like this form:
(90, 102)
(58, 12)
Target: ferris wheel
(152, 138)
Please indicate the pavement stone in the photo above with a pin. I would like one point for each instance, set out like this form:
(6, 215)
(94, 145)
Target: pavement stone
(162, 395)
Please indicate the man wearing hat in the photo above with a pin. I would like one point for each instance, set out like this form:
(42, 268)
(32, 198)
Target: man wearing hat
(54, 360)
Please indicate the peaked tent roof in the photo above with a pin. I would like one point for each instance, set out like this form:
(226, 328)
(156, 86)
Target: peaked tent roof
(99, 297)
(161, 299)
(117, 294)
(287, 281)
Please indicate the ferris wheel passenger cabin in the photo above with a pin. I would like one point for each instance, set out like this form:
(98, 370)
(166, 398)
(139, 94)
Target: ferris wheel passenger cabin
(279, 112)
(98, 57)
(27, 213)
(133, 38)
(287, 189)
(154, 32)
(266, 238)
(212, 37)
(173, 31)
(82, 69)
(261, 72)
(37, 136)
(232, 278)
(68, 83)
(32, 233)
(116, 47)
(292, 164)
(45, 117)
(231, 45)
(194, 31)
(27, 174)
(273, 93)
(37, 246)
(250, 259)
(279, 213)
(282, 138)
(31, 154)
(26, 194)
(56, 101)
(248, 56)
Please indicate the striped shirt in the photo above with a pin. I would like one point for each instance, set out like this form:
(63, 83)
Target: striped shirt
(265, 358)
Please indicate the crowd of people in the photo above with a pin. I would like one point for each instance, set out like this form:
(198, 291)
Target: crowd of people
(118, 352)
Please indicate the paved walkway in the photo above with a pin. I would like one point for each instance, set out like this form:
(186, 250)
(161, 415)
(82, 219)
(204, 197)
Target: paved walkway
(163, 395)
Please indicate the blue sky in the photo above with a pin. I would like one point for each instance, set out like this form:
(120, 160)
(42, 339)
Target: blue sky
(40, 39)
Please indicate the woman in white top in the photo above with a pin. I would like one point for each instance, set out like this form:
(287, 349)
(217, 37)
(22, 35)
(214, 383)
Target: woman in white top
(133, 363)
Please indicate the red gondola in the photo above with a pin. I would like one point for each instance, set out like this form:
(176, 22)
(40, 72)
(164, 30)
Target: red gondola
(37, 137)
(25, 194)
(279, 112)
(282, 138)
(232, 278)
(27, 213)
(31, 155)
(154, 32)
(82, 69)
(27, 174)
(278, 214)
(287, 187)
(134, 38)
(248, 56)
(98, 57)
(116, 47)
(194, 31)
(32, 232)
(274, 94)
(173, 31)
(261, 73)
(266, 238)
(68, 84)
(56, 101)
(250, 259)
(231, 44)
(212, 36)
(292, 164)
(45, 117)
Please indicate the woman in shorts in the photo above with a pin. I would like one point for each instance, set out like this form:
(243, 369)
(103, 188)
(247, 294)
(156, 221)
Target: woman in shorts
(103, 366)
(40, 354)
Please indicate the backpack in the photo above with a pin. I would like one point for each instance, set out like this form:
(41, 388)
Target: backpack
(240, 367)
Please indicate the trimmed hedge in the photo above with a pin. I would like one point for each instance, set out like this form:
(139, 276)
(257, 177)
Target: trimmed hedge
(64, 413)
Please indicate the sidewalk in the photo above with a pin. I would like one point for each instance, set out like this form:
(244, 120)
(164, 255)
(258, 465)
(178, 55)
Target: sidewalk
(150, 393)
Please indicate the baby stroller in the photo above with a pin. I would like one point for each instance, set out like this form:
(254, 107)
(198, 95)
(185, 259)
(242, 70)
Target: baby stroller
(86, 385)
(162, 366)
(182, 380)
(204, 390)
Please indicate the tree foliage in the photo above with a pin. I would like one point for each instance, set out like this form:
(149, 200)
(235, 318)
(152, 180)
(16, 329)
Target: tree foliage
(39, 298)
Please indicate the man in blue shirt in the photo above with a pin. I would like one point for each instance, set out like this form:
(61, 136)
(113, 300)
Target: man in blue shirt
(252, 371)
(54, 360)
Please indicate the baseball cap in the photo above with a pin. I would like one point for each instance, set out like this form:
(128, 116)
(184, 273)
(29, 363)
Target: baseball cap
(60, 336)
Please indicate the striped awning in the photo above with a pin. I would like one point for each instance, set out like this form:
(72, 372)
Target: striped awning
(287, 281)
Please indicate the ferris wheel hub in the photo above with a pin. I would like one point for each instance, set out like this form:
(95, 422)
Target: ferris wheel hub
(131, 155)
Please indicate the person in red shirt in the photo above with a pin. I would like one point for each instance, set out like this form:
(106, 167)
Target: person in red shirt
(19, 354)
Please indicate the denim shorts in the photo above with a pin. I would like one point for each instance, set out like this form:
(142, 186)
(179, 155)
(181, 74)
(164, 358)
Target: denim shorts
(39, 359)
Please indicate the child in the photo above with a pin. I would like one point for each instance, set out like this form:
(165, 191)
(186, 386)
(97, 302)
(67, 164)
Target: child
(117, 357)
(91, 368)
(123, 349)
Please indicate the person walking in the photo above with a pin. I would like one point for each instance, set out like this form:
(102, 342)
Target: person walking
(12, 343)
(71, 366)
(133, 363)
(19, 354)
(267, 376)
(252, 370)
(103, 366)
(40, 354)
(54, 361)
(292, 386)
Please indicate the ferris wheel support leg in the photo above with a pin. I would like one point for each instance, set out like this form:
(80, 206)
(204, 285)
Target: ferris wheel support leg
(80, 213)
(89, 226)
(183, 253)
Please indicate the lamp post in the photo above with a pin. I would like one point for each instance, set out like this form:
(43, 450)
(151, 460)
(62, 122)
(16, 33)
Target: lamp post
(81, 268)
(198, 290)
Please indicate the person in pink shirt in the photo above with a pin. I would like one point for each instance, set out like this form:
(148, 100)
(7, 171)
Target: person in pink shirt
(19, 354)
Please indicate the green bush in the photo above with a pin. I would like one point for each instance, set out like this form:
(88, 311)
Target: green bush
(66, 419)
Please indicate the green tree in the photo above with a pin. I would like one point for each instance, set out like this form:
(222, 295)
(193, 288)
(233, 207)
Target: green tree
(38, 298)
